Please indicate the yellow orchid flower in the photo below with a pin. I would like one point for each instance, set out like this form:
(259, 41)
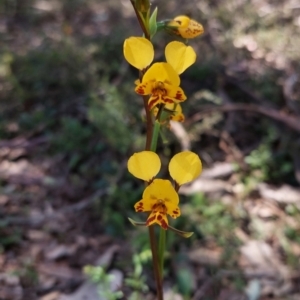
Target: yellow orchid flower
(161, 81)
(185, 27)
(160, 197)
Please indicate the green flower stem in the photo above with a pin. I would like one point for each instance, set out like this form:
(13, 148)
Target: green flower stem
(151, 143)
(157, 264)
(141, 21)
(162, 232)
(161, 249)
(157, 273)
(149, 124)
(155, 135)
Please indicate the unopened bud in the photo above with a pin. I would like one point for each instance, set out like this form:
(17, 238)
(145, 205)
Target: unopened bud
(185, 27)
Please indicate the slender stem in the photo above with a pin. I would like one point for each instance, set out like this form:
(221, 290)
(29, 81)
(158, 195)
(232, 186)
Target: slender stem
(157, 273)
(149, 124)
(161, 249)
(155, 136)
(142, 24)
(151, 143)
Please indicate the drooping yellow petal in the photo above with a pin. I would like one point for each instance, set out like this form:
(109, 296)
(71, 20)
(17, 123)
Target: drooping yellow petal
(173, 210)
(144, 88)
(138, 51)
(186, 27)
(144, 205)
(162, 72)
(185, 167)
(144, 165)
(177, 116)
(172, 111)
(179, 56)
(175, 92)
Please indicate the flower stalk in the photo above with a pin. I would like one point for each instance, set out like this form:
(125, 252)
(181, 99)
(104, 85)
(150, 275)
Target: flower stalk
(159, 87)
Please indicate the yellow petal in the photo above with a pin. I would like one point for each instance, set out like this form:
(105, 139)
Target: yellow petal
(162, 72)
(185, 167)
(173, 210)
(161, 189)
(144, 205)
(180, 56)
(144, 165)
(175, 93)
(138, 51)
(177, 116)
(144, 88)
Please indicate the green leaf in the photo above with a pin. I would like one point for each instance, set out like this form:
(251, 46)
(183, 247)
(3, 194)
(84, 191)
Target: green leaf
(184, 234)
(152, 23)
(135, 223)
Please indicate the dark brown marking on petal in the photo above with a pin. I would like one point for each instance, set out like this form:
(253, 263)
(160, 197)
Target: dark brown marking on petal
(159, 217)
(153, 102)
(154, 206)
(150, 220)
(140, 206)
(141, 89)
(168, 100)
(179, 96)
(176, 212)
(164, 225)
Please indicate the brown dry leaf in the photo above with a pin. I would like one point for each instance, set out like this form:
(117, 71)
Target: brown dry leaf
(228, 294)
(46, 282)
(11, 293)
(59, 271)
(59, 251)
(106, 258)
(37, 235)
(21, 167)
(218, 170)
(259, 259)
(3, 199)
(284, 194)
(205, 256)
(87, 290)
(51, 296)
(171, 295)
(260, 255)
(205, 186)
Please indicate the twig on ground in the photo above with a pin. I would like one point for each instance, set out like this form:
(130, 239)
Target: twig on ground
(290, 121)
